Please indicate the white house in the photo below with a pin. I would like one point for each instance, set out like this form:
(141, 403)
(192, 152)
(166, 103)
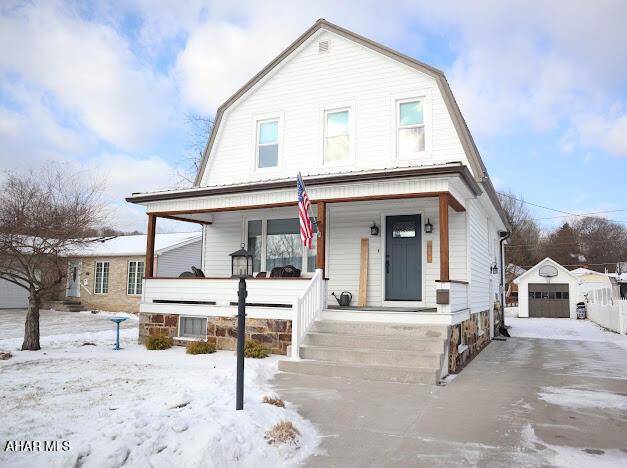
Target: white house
(409, 222)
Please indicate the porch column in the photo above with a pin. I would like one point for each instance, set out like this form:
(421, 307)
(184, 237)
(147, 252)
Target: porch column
(150, 246)
(321, 242)
(444, 250)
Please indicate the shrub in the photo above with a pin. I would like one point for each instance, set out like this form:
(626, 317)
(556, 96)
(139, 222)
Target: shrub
(273, 401)
(254, 349)
(200, 347)
(283, 432)
(159, 342)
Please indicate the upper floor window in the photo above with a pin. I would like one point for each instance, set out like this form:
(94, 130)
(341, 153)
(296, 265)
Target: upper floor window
(267, 143)
(337, 136)
(411, 127)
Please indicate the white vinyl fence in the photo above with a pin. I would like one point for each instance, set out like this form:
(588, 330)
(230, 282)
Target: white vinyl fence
(612, 316)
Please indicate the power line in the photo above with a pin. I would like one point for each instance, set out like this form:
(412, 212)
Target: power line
(582, 214)
(567, 213)
(563, 243)
(577, 264)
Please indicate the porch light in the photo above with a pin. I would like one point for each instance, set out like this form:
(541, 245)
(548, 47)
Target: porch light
(241, 263)
(428, 227)
(374, 229)
(494, 269)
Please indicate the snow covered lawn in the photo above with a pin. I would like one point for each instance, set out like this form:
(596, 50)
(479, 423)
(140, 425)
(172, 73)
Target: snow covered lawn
(136, 407)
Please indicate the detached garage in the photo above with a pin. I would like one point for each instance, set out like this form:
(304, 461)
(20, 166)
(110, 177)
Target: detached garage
(547, 290)
(12, 296)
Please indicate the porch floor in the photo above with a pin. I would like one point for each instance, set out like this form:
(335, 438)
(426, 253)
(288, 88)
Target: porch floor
(383, 309)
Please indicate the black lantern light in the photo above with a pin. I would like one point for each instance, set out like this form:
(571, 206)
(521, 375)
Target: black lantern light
(494, 269)
(428, 227)
(241, 263)
(374, 229)
(242, 268)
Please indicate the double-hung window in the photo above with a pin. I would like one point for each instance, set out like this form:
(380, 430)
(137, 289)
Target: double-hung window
(276, 242)
(267, 143)
(135, 276)
(410, 138)
(101, 278)
(337, 137)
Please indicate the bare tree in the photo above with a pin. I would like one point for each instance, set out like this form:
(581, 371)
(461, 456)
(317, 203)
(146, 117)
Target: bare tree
(44, 216)
(602, 242)
(200, 129)
(525, 231)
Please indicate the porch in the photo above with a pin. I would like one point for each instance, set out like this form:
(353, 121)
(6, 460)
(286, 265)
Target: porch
(355, 223)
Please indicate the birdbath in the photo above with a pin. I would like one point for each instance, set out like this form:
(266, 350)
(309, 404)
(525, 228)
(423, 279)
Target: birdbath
(117, 321)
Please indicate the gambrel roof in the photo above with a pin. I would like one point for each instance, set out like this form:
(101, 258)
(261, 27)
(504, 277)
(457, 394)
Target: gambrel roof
(470, 149)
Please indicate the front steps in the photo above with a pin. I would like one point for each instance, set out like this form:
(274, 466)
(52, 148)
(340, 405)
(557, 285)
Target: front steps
(372, 351)
(72, 306)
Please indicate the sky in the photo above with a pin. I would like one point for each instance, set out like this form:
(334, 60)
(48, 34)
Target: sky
(108, 87)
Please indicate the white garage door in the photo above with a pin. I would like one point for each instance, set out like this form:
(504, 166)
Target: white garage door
(12, 296)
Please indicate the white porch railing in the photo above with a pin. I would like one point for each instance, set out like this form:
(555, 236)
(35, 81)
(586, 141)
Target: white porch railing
(306, 309)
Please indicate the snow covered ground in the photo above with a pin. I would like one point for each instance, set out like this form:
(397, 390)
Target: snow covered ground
(135, 407)
(562, 329)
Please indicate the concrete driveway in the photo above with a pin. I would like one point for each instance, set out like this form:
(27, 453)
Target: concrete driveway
(559, 400)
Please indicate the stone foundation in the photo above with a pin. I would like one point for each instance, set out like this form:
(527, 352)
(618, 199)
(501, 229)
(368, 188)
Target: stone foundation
(473, 338)
(276, 334)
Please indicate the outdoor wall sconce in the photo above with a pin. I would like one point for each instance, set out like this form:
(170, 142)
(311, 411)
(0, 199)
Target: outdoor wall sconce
(494, 269)
(374, 229)
(428, 227)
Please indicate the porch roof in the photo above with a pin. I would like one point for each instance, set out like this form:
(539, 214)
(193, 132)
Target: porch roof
(194, 204)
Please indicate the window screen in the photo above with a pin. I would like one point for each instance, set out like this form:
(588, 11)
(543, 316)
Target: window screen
(193, 327)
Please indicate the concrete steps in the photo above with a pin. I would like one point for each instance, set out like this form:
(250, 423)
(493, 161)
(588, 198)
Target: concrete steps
(372, 351)
(72, 306)
(361, 371)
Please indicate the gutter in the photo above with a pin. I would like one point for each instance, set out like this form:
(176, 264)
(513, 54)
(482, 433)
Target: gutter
(504, 236)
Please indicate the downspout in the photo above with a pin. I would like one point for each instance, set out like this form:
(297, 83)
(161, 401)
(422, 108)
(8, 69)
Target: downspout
(504, 236)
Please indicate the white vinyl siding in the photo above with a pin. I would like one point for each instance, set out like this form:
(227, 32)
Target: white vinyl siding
(172, 263)
(193, 327)
(480, 257)
(305, 84)
(134, 278)
(101, 278)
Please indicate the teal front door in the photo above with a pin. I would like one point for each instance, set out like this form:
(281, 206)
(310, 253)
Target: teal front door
(403, 258)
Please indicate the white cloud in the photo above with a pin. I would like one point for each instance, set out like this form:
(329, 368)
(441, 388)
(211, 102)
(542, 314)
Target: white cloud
(89, 70)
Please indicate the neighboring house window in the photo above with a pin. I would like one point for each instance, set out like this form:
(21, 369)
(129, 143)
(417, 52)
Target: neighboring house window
(277, 243)
(267, 143)
(101, 280)
(411, 127)
(193, 327)
(337, 136)
(135, 277)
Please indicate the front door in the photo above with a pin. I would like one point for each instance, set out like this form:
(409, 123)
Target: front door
(403, 258)
(74, 278)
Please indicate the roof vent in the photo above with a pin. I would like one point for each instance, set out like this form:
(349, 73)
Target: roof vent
(323, 47)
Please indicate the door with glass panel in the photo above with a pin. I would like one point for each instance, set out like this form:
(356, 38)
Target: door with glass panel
(403, 258)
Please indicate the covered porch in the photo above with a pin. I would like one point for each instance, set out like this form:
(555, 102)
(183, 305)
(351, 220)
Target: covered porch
(356, 219)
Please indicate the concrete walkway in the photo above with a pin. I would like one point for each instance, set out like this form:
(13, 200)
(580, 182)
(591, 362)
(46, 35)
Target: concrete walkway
(523, 402)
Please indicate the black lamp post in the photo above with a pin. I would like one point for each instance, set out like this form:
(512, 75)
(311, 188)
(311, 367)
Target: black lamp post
(241, 267)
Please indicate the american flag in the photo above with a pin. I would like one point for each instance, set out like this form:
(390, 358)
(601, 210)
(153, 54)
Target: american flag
(304, 205)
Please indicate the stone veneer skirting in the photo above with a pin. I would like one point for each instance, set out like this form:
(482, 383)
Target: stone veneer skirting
(475, 341)
(276, 334)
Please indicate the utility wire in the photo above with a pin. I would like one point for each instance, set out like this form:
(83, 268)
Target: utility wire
(567, 213)
(564, 243)
(582, 214)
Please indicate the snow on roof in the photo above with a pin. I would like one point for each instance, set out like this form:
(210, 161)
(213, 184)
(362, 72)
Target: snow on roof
(584, 271)
(134, 245)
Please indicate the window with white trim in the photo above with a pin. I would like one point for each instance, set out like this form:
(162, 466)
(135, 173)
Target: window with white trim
(276, 242)
(337, 135)
(101, 278)
(135, 277)
(267, 143)
(410, 135)
(193, 327)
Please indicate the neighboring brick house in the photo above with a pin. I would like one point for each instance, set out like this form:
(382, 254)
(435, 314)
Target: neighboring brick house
(108, 274)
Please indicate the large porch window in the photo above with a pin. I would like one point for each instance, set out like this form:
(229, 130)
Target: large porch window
(276, 242)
